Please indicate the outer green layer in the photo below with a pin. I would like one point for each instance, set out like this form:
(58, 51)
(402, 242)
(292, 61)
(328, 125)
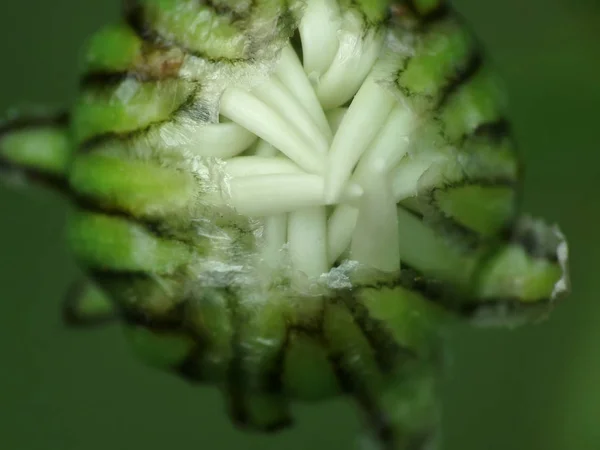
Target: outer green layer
(224, 33)
(113, 48)
(485, 210)
(127, 107)
(112, 243)
(87, 305)
(35, 146)
(139, 188)
(44, 149)
(442, 51)
(374, 10)
(162, 350)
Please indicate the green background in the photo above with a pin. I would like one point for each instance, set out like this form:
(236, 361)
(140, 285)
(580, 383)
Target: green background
(534, 388)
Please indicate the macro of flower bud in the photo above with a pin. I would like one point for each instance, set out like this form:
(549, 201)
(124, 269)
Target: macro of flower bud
(289, 199)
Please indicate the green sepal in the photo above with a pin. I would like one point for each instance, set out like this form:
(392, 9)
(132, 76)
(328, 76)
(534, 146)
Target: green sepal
(111, 243)
(209, 316)
(478, 102)
(196, 26)
(262, 412)
(262, 334)
(227, 32)
(425, 7)
(531, 267)
(308, 374)
(375, 11)
(43, 149)
(130, 106)
(434, 254)
(151, 298)
(406, 410)
(439, 55)
(515, 275)
(86, 305)
(35, 146)
(141, 188)
(163, 350)
(483, 209)
(115, 48)
(350, 352)
(412, 320)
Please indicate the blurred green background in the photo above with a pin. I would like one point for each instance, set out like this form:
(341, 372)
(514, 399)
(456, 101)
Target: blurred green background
(534, 388)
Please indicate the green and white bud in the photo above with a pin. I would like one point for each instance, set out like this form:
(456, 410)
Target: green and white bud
(290, 198)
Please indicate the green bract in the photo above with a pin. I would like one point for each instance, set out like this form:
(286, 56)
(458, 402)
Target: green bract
(289, 199)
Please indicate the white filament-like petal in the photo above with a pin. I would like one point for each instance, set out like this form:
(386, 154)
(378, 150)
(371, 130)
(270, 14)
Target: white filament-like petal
(251, 113)
(266, 195)
(263, 148)
(406, 176)
(276, 95)
(388, 147)
(363, 121)
(220, 140)
(245, 166)
(355, 57)
(274, 239)
(375, 238)
(307, 236)
(352, 194)
(385, 151)
(335, 117)
(319, 34)
(290, 72)
(339, 231)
